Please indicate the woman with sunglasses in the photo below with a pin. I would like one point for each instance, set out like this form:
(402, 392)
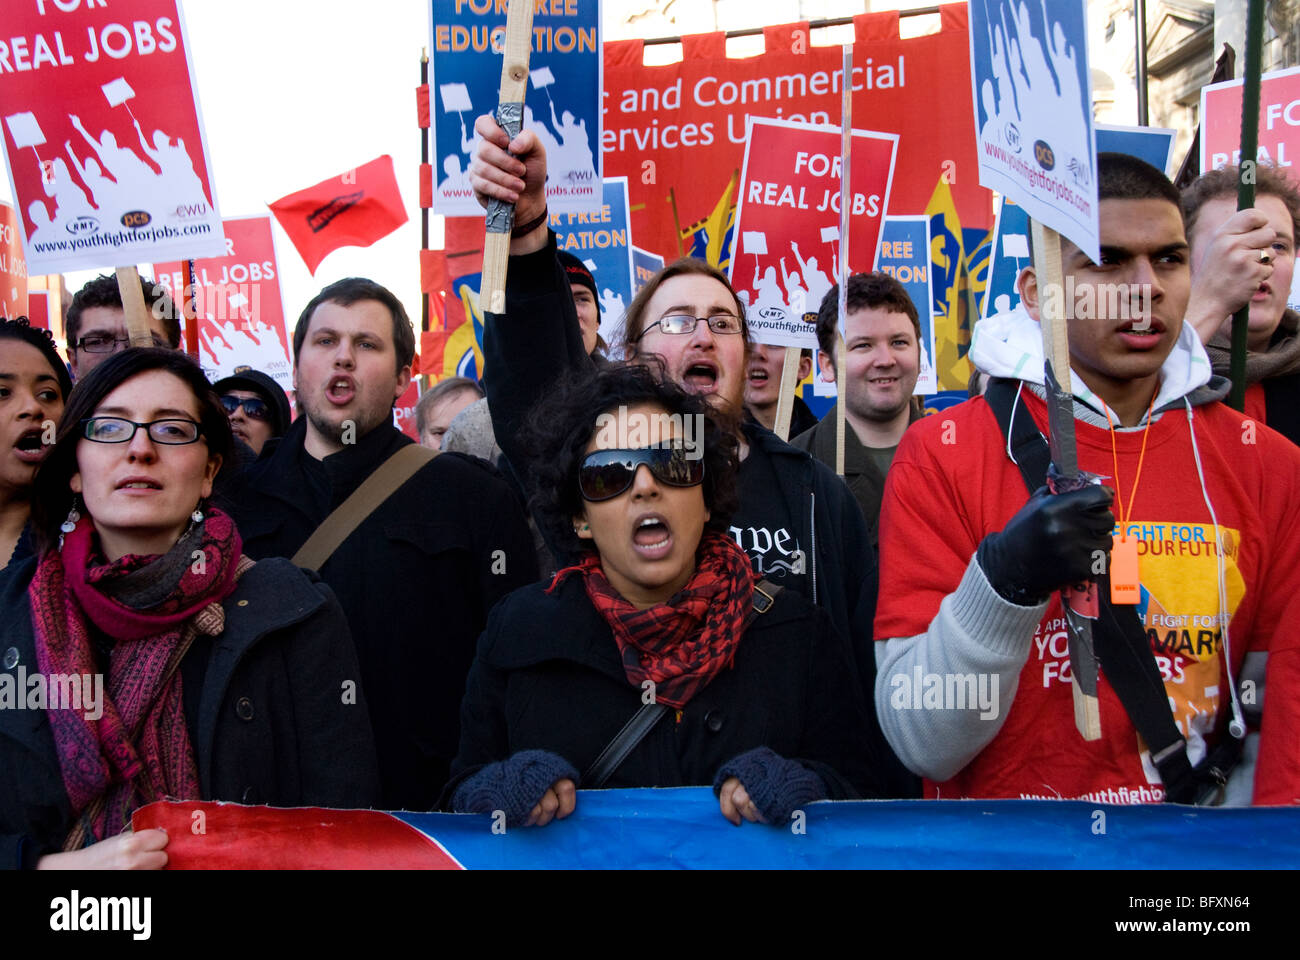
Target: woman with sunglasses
(201, 675)
(662, 609)
(34, 385)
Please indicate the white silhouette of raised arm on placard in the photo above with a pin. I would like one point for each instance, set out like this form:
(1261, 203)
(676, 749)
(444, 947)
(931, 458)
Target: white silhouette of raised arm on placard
(549, 143)
(575, 146)
(611, 304)
(814, 279)
(102, 189)
(134, 177)
(69, 199)
(177, 181)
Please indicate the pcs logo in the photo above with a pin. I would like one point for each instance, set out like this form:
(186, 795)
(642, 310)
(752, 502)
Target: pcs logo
(136, 219)
(1044, 155)
(82, 226)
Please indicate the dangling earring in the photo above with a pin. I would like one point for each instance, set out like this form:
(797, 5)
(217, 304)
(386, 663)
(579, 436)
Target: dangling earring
(196, 516)
(70, 524)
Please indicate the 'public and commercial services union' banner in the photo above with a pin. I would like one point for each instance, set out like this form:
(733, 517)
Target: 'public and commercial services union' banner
(104, 136)
(562, 103)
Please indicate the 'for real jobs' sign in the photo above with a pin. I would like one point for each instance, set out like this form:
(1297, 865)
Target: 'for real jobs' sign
(239, 305)
(788, 221)
(1279, 130)
(563, 103)
(1033, 112)
(102, 128)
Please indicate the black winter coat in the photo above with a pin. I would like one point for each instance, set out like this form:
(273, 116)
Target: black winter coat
(548, 676)
(538, 340)
(416, 580)
(274, 725)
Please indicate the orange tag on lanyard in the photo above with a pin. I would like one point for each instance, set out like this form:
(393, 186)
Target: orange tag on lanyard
(1124, 585)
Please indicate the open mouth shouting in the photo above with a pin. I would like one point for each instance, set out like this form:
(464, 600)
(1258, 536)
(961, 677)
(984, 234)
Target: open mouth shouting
(29, 448)
(341, 390)
(652, 539)
(700, 377)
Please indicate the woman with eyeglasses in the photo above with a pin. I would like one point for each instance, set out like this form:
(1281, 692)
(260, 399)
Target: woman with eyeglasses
(34, 385)
(741, 685)
(171, 664)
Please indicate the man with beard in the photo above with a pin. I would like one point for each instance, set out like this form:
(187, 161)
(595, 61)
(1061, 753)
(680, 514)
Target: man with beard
(796, 520)
(418, 575)
(882, 349)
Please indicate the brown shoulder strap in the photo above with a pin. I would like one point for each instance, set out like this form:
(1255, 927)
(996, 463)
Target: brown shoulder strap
(365, 499)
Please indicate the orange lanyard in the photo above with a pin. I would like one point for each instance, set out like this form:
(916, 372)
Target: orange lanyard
(1125, 586)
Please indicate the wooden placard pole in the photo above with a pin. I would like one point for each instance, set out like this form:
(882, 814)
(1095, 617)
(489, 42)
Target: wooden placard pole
(190, 307)
(510, 114)
(137, 314)
(1056, 354)
(785, 401)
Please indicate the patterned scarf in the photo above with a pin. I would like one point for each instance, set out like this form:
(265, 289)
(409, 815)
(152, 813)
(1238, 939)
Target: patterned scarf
(150, 606)
(682, 644)
(1281, 358)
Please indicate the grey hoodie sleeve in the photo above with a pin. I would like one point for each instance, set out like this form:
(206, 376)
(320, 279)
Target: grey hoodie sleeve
(977, 645)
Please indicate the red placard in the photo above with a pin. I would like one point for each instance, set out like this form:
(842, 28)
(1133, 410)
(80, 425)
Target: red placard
(13, 265)
(787, 227)
(1279, 122)
(238, 299)
(404, 410)
(102, 127)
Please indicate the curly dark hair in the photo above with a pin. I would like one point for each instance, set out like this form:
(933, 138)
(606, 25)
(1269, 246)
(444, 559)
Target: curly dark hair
(52, 496)
(558, 431)
(22, 330)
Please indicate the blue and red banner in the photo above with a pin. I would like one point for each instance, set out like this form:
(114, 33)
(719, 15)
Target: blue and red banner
(683, 828)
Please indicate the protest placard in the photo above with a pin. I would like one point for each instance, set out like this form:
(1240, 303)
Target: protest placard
(102, 127)
(790, 194)
(241, 314)
(404, 410)
(563, 105)
(644, 266)
(905, 255)
(1033, 108)
(602, 240)
(13, 265)
(1279, 130)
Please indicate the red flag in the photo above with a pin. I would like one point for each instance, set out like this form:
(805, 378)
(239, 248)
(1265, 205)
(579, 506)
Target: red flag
(433, 271)
(426, 185)
(422, 104)
(352, 210)
(432, 343)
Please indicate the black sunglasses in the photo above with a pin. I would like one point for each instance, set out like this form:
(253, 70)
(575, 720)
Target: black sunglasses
(256, 408)
(605, 474)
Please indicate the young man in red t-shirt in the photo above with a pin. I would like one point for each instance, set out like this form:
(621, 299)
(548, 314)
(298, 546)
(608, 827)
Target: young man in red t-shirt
(974, 688)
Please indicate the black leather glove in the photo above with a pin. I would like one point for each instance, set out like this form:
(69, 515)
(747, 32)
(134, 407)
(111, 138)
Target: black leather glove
(1049, 544)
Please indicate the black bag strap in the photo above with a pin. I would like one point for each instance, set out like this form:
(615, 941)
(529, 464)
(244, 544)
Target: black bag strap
(1121, 644)
(649, 714)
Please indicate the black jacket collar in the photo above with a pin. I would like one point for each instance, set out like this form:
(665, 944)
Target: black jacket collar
(277, 471)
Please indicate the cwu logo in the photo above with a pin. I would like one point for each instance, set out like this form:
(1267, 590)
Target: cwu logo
(1044, 155)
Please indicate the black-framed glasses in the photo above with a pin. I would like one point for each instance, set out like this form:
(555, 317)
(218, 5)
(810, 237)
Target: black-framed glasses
(121, 430)
(103, 343)
(255, 407)
(605, 474)
(681, 323)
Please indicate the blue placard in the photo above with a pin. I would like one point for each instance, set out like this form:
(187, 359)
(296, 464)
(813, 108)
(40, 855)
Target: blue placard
(644, 265)
(562, 103)
(1033, 112)
(603, 241)
(1155, 145)
(904, 254)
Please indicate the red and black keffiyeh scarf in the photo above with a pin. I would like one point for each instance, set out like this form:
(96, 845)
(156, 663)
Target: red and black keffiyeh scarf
(684, 643)
(145, 604)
